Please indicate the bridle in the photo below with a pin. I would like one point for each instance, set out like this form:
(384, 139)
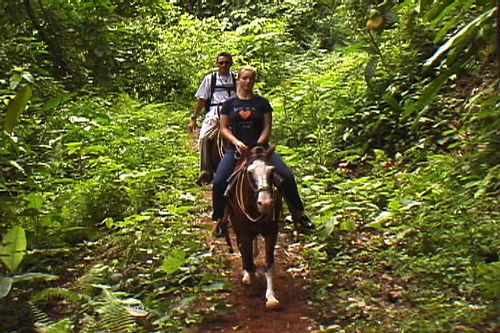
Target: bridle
(240, 191)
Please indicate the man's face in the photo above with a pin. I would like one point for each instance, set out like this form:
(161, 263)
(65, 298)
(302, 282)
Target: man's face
(224, 64)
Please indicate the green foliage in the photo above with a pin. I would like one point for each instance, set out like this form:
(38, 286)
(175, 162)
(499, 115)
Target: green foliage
(16, 106)
(174, 261)
(5, 286)
(265, 44)
(322, 100)
(12, 252)
(13, 248)
(461, 38)
(112, 315)
(392, 135)
(50, 294)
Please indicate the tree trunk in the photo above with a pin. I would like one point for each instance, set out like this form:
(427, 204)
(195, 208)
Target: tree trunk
(55, 51)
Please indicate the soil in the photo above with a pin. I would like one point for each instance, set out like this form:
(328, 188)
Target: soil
(245, 309)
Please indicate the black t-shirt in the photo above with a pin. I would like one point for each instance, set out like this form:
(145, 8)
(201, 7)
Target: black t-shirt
(247, 117)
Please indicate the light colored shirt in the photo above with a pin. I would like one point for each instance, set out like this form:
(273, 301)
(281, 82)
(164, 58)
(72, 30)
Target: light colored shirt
(223, 90)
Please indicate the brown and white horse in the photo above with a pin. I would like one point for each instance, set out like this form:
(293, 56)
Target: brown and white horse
(254, 209)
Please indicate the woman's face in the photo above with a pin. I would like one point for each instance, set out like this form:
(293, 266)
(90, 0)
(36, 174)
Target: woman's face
(246, 80)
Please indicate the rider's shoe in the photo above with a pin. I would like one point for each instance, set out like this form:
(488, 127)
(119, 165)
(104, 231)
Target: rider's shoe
(205, 178)
(220, 229)
(303, 221)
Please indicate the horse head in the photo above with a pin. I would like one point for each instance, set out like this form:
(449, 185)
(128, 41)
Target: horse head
(260, 174)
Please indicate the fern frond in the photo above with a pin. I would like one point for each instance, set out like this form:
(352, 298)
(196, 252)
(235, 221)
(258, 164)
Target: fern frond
(59, 293)
(40, 318)
(112, 315)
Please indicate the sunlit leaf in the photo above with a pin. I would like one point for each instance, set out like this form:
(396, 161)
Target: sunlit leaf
(460, 35)
(13, 249)
(379, 221)
(5, 285)
(375, 225)
(35, 200)
(34, 276)
(56, 101)
(16, 106)
(216, 286)
(348, 225)
(174, 261)
(15, 79)
(28, 77)
(17, 166)
(329, 226)
(394, 204)
(136, 312)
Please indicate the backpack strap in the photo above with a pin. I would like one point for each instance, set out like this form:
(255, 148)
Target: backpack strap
(212, 89)
(233, 75)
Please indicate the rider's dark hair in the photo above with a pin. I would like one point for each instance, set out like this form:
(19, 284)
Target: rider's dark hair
(225, 54)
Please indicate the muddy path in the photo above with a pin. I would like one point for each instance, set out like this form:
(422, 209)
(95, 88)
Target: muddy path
(245, 305)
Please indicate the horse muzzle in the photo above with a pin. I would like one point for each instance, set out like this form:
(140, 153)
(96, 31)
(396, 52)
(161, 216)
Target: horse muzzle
(265, 202)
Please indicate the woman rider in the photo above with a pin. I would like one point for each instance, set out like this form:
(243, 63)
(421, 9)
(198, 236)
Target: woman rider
(246, 121)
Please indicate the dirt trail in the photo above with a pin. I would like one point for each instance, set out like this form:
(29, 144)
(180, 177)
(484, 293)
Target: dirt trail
(246, 304)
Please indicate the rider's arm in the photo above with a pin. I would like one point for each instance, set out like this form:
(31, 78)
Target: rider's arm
(266, 129)
(200, 105)
(225, 123)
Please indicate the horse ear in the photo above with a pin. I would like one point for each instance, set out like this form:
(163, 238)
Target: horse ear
(270, 151)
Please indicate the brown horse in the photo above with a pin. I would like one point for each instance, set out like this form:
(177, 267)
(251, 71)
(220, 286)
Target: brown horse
(254, 209)
(217, 147)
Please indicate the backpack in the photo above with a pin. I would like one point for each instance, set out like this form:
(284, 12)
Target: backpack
(213, 86)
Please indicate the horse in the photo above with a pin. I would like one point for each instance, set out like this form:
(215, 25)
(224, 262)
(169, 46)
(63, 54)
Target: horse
(253, 208)
(217, 147)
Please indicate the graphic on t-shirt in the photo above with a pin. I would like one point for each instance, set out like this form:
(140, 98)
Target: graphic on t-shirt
(245, 114)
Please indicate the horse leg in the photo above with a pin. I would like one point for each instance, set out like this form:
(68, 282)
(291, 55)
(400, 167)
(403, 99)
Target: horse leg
(246, 251)
(271, 300)
(227, 222)
(255, 245)
(228, 240)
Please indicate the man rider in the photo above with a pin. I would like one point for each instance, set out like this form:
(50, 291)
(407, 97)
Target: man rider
(215, 89)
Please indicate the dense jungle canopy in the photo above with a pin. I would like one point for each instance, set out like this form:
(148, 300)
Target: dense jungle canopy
(388, 113)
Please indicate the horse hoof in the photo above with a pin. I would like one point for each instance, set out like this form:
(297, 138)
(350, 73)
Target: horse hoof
(247, 279)
(272, 304)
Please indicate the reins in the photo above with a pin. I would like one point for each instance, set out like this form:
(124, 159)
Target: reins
(220, 143)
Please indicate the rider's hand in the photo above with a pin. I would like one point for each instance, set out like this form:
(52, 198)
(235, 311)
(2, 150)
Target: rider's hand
(193, 125)
(240, 146)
